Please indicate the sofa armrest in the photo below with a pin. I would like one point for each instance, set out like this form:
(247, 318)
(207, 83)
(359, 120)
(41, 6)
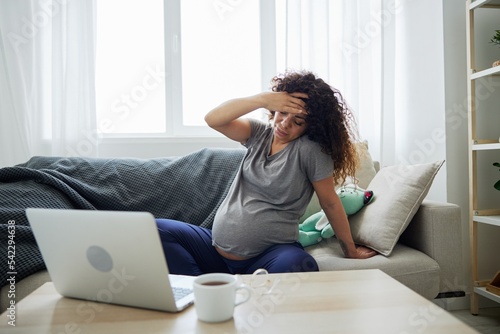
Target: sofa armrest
(436, 231)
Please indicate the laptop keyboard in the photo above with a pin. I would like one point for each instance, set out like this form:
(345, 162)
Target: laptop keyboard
(180, 293)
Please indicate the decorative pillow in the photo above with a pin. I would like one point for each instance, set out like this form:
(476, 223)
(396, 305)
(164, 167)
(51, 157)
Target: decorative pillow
(400, 191)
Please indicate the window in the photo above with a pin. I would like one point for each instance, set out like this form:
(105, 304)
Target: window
(161, 65)
(130, 67)
(220, 55)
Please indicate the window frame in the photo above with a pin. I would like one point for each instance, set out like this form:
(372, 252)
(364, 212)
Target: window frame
(173, 69)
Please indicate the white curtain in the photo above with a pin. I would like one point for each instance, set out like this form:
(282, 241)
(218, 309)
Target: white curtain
(386, 57)
(47, 98)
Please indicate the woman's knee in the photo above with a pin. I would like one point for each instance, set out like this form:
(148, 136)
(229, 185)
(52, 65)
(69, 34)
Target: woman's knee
(304, 262)
(288, 258)
(168, 228)
(174, 230)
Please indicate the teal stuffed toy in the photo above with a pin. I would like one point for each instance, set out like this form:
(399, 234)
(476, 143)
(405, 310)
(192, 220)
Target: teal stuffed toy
(317, 227)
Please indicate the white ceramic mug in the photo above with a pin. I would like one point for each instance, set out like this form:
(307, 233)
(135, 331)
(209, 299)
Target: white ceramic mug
(215, 296)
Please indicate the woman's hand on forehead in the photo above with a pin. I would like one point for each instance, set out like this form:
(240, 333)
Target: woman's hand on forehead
(286, 102)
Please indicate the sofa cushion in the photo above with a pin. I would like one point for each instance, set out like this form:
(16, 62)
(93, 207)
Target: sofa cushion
(409, 266)
(399, 191)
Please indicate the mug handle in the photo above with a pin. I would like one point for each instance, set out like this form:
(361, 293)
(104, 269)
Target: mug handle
(248, 294)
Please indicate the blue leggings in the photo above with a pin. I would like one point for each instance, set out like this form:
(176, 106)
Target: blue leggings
(189, 251)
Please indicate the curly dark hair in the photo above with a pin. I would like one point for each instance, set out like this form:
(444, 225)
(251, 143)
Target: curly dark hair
(330, 123)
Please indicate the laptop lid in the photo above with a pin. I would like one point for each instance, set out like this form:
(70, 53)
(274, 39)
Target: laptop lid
(107, 256)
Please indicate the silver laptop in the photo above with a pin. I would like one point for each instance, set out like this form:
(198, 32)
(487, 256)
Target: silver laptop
(109, 256)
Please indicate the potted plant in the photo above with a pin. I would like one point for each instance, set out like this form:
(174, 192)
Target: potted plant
(496, 40)
(497, 184)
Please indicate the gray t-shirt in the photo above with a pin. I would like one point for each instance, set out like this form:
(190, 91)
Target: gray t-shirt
(269, 194)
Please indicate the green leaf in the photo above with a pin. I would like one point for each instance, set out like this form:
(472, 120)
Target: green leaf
(496, 38)
(496, 164)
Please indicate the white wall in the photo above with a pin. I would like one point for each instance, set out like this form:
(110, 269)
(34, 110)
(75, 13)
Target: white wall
(456, 118)
(159, 147)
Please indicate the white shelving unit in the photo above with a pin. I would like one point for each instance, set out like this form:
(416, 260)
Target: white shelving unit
(483, 292)
(476, 215)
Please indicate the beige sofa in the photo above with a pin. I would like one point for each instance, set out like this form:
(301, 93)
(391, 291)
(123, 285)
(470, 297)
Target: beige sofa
(426, 252)
(426, 257)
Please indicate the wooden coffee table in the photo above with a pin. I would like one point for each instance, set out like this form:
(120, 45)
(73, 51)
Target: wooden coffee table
(363, 301)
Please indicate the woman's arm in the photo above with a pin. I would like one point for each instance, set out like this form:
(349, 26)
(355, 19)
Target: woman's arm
(226, 118)
(332, 206)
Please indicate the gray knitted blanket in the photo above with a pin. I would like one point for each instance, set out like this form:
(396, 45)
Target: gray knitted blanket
(188, 188)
